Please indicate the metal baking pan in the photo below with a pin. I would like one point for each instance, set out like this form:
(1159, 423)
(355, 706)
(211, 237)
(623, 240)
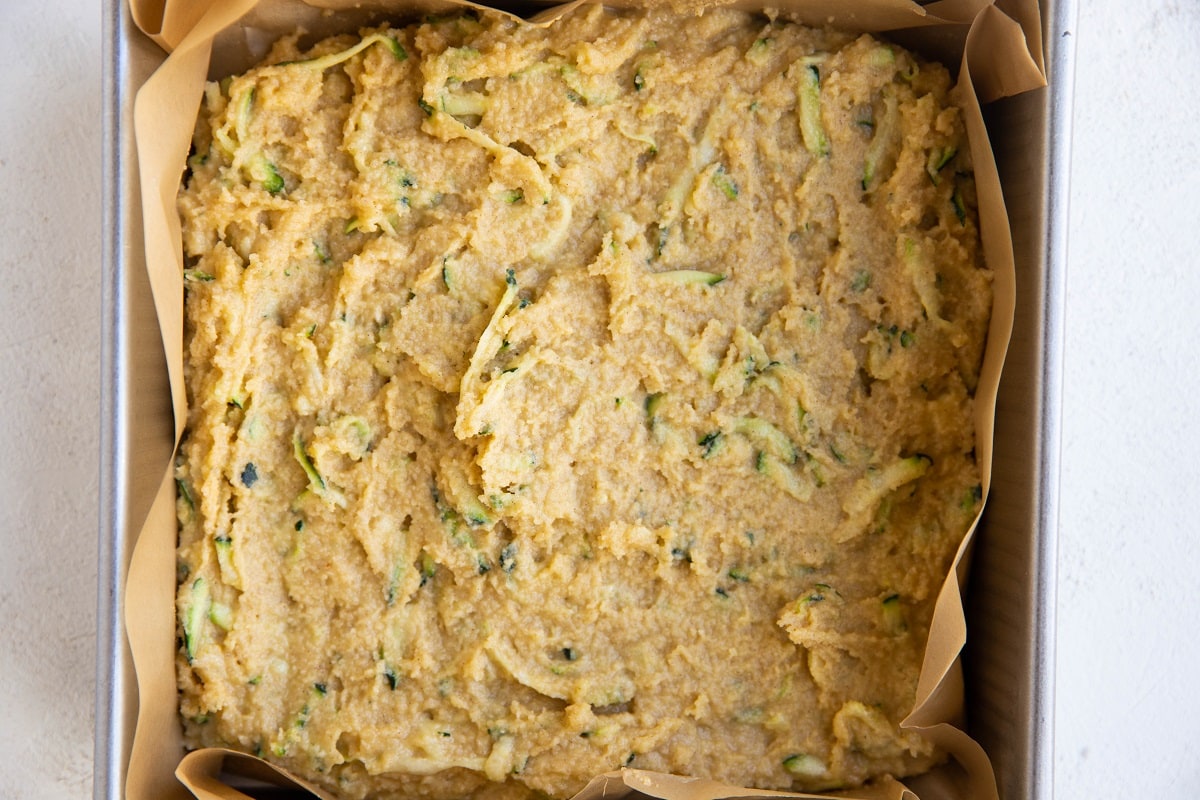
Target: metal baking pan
(137, 427)
(1009, 659)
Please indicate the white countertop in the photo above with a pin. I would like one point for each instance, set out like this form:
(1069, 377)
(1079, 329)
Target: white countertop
(1128, 703)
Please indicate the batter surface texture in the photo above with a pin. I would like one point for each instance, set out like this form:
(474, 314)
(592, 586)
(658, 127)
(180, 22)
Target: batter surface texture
(570, 398)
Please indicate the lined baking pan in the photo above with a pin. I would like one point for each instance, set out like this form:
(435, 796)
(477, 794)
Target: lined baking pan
(1009, 658)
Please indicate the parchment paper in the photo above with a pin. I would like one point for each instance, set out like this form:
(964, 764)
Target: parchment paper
(996, 45)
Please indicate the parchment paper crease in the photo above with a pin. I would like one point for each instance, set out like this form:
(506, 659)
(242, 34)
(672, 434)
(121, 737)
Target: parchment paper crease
(998, 48)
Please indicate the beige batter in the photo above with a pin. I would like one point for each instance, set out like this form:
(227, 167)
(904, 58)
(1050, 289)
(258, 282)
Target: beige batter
(573, 398)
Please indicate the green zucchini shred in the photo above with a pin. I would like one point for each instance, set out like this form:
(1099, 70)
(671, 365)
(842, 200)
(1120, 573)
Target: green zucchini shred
(508, 558)
(325, 62)
(273, 183)
(759, 52)
(185, 493)
(971, 498)
(194, 614)
(809, 95)
(893, 615)
(960, 207)
(316, 481)
(939, 157)
(882, 56)
(314, 477)
(652, 405)
(221, 615)
(804, 765)
(393, 585)
(684, 277)
(726, 184)
(427, 566)
(885, 131)
(463, 105)
(710, 443)
(775, 442)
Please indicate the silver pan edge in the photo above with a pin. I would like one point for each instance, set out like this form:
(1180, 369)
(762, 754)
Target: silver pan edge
(1009, 659)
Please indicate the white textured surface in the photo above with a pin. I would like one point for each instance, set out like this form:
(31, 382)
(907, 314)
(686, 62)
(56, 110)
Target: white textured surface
(1128, 710)
(49, 401)
(1128, 647)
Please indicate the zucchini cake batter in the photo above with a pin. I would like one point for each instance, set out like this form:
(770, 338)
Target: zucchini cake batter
(574, 398)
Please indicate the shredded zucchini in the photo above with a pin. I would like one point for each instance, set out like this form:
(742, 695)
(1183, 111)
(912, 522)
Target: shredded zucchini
(809, 95)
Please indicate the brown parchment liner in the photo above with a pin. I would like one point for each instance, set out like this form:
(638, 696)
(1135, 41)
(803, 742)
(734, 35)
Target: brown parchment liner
(997, 47)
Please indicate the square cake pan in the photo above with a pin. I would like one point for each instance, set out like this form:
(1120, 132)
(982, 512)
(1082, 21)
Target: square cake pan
(1009, 659)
